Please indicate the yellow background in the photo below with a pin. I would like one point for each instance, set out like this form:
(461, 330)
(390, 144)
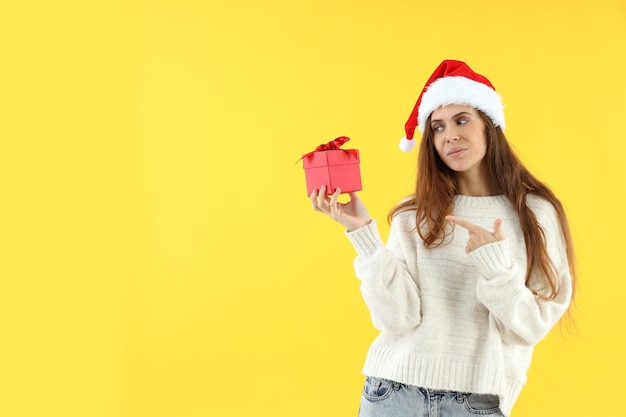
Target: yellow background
(159, 255)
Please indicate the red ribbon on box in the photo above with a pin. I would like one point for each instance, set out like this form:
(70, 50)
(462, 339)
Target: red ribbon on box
(333, 145)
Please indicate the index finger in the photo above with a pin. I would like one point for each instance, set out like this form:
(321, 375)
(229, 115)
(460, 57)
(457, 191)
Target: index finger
(462, 222)
(333, 200)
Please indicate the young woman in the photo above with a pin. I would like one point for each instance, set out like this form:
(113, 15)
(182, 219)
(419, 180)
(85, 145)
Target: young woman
(478, 266)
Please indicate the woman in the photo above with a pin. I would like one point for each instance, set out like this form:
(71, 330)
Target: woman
(478, 266)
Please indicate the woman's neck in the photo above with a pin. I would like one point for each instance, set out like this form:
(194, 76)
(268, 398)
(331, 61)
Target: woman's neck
(477, 183)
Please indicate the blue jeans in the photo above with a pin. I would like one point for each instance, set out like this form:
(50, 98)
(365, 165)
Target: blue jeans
(384, 398)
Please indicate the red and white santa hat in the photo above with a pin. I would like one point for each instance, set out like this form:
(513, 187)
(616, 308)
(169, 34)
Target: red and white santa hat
(453, 82)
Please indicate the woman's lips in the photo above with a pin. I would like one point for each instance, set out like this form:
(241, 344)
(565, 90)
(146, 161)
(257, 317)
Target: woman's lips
(456, 151)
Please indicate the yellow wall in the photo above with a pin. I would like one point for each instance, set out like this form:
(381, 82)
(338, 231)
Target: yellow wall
(159, 256)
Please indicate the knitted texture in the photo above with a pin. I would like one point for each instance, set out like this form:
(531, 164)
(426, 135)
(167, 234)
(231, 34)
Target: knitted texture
(453, 321)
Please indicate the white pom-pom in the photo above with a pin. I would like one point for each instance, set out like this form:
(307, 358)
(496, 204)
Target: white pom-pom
(406, 145)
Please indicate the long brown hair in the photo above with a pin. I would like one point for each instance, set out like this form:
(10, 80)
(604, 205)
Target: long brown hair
(436, 187)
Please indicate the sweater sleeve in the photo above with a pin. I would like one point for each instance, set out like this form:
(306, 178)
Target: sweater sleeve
(388, 286)
(521, 315)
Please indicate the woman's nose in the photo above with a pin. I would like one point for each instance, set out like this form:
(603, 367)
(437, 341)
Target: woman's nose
(452, 135)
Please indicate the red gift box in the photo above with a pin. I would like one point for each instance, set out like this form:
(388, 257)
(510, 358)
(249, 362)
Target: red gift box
(333, 167)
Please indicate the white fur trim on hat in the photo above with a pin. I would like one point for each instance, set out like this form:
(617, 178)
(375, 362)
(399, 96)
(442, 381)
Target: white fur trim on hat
(461, 90)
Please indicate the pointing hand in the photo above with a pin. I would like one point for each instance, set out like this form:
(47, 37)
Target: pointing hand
(477, 235)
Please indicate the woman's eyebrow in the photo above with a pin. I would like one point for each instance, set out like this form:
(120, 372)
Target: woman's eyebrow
(453, 117)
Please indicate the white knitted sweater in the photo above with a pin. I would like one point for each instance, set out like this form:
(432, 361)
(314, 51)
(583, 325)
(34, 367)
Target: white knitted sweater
(453, 321)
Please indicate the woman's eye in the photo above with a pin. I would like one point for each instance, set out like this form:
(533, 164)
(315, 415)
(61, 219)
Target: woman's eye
(462, 121)
(438, 128)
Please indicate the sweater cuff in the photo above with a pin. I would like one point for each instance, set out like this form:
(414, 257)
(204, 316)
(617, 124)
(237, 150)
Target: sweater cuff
(492, 259)
(366, 240)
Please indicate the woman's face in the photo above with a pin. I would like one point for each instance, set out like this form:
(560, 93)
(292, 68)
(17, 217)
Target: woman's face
(459, 137)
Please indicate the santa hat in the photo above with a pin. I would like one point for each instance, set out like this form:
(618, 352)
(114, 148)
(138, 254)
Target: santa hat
(453, 82)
